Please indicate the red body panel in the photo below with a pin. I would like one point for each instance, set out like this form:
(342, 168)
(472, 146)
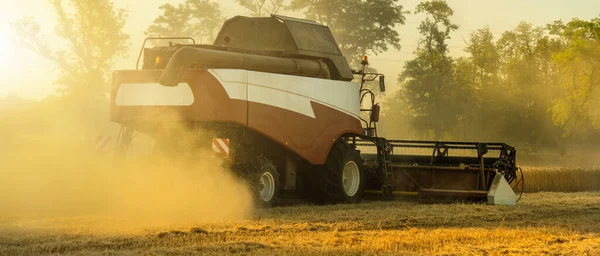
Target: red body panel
(311, 138)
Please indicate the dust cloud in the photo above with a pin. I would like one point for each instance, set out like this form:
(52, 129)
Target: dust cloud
(55, 172)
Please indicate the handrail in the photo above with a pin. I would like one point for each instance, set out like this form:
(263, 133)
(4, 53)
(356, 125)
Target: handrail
(137, 64)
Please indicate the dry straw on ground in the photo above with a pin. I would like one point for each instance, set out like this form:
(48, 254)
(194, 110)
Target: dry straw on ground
(542, 224)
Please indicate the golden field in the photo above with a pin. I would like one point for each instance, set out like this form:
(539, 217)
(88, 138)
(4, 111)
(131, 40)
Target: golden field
(548, 223)
(561, 179)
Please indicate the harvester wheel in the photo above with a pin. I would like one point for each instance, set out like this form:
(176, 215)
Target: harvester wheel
(266, 184)
(342, 178)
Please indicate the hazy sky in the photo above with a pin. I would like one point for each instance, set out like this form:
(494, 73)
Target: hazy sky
(27, 75)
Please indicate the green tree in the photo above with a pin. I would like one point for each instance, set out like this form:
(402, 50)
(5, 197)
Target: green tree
(485, 57)
(200, 19)
(94, 38)
(526, 79)
(481, 69)
(429, 89)
(262, 7)
(578, 63)
(360, 27)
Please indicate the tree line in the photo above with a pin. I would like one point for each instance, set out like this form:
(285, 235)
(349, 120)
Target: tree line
(530, 85)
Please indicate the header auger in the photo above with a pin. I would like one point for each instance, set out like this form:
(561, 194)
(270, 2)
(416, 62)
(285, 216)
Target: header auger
(277, 96)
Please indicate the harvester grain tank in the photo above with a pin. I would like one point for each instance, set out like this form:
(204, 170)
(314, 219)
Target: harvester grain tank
(278, 94)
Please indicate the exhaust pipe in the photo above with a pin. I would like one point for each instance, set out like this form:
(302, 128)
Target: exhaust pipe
(187, 56)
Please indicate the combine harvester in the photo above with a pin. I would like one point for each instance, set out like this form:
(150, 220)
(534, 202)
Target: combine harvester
(277, 97)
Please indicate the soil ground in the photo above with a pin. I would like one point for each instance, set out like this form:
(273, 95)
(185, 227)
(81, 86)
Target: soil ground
(541, 224)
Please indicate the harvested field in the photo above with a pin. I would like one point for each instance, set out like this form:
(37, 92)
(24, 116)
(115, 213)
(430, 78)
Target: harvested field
(542, 224)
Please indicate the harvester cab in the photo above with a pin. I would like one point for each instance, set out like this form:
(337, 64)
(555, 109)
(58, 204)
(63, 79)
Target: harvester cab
(277, 98)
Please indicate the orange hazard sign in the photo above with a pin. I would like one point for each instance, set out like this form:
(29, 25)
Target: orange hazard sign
(220, 147)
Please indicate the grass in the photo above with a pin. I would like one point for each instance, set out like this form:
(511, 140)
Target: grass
(538, 179)
(542, 224)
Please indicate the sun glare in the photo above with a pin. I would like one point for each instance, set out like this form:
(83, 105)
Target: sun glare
(3, 47)
(6, 48)
(11, 55)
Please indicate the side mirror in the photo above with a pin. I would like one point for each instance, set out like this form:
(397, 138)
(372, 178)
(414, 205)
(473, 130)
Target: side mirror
(382, 83)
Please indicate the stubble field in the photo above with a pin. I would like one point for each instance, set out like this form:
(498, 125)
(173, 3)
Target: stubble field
(545, 223)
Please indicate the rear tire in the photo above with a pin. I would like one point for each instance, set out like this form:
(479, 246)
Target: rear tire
(342, 178)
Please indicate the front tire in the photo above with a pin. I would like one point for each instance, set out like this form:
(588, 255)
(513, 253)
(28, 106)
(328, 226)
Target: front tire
(266, 184)
(342, 178)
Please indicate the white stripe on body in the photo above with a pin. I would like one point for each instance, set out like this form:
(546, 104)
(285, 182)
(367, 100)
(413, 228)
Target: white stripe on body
(154, 94)
(293, 93)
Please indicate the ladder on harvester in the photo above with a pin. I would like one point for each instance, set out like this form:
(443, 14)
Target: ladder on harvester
(384, 155)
